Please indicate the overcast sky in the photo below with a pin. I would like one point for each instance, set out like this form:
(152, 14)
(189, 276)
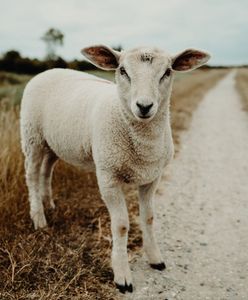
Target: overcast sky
(218, 26)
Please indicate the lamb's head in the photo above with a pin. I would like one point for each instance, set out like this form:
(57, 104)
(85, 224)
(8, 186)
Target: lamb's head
(144, 75)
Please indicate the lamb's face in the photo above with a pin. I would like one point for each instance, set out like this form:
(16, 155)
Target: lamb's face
(144, 75)
(144, 78)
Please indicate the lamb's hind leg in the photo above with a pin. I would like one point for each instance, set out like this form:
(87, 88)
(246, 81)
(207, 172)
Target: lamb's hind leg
(33, 164)
(46, 171)
(146, 194)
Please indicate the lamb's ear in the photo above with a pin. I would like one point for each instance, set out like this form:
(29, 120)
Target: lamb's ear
(189, 59)
(103, 57)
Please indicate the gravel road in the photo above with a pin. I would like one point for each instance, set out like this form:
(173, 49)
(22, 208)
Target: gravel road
(202, 208)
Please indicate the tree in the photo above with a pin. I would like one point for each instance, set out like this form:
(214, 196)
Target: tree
(12, 55)
(53, 38)
(117, 48)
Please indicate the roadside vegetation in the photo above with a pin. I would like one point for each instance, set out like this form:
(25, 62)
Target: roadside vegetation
(242, 85)
(70, 258)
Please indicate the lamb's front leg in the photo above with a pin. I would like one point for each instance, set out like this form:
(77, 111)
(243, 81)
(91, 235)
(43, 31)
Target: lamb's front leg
(146, 194)
(115, 202)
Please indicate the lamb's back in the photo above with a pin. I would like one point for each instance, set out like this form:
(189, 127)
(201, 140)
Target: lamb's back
(60, 103)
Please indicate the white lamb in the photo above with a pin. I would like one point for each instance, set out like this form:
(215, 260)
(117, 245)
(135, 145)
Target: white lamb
(120, 130)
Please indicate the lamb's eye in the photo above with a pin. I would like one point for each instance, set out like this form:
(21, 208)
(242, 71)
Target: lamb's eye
(123, 72)
(166, 74)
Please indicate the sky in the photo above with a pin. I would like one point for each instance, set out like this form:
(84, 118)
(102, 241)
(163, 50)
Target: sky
(217, 26)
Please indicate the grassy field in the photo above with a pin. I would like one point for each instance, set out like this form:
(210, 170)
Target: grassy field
(70, 258)
(242, 85)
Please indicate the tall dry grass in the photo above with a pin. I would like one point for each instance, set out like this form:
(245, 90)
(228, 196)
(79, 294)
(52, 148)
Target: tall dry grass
(11, 162)
(242, 85)
(70, 258)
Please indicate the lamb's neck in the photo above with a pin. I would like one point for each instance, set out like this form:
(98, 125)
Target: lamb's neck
(153, 130)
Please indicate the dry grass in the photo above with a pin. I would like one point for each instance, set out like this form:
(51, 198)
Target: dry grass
(70, 258)
(242, 85)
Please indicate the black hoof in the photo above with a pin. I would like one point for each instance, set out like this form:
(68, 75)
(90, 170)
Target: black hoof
(124, 288)
(160, 266)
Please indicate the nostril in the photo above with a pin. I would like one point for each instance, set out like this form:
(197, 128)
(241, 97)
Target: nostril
(144, 109)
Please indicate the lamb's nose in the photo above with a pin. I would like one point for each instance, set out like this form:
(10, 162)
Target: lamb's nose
(144, 109)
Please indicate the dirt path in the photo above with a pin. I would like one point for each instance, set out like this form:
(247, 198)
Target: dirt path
(202, 209)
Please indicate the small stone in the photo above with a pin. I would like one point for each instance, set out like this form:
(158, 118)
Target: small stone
(202, 284)
(203, 244)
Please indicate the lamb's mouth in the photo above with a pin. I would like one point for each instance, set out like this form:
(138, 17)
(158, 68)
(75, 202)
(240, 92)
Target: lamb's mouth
(144, 118)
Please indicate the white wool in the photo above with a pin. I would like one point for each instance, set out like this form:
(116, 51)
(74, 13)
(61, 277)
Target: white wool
(92, 123)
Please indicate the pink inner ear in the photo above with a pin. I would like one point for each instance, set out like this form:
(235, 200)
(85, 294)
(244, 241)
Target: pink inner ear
(102, 56)
(187, 60)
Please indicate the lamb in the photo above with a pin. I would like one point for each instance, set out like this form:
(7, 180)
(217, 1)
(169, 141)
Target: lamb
(121, 131)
